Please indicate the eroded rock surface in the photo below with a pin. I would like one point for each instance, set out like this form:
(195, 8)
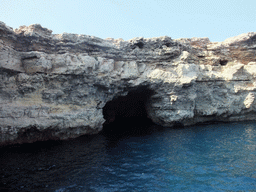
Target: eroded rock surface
(56, 86)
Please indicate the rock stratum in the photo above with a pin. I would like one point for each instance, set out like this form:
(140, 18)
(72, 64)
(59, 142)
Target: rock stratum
(59, 86)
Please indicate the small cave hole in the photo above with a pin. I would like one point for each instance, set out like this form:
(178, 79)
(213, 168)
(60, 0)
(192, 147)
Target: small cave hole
(223, 62)
(167, 44)
(139, 44)
(128, 114)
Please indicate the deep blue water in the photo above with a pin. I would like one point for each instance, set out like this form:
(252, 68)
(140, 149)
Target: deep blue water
(218, 157)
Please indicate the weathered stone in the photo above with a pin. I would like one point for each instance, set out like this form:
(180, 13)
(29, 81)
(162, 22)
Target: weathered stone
(63, 86)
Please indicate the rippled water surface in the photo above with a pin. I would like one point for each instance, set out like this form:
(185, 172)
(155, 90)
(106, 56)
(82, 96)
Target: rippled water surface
(219, 157)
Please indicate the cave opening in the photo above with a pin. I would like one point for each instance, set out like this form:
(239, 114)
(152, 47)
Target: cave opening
(223, 62)
(126, 113)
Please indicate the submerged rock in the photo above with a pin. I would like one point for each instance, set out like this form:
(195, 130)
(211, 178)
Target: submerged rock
(56, 86)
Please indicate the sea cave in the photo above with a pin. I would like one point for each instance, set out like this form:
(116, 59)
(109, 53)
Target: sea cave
(126, 113)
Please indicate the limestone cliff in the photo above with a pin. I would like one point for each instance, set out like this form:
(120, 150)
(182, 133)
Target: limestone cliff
(55, 86)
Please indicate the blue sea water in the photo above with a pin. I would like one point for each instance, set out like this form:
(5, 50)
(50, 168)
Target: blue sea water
(217, 157)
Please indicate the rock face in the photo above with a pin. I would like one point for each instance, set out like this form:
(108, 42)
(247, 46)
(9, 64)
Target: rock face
(61, 86)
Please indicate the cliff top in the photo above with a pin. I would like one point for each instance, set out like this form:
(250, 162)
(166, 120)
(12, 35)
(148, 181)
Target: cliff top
(37, 30)
(37, 38)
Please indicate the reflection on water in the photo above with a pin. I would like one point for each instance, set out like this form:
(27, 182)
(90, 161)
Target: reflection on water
(219, 157)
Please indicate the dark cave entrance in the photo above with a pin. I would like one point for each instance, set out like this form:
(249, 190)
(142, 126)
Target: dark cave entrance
(127, 112)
